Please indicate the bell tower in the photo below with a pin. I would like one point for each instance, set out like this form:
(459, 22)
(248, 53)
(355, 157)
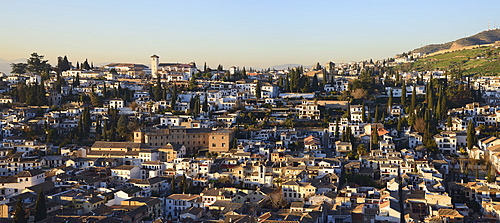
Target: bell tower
(155, 61)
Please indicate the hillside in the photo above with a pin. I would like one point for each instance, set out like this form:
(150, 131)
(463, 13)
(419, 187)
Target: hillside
(485, 37)
(477, 61)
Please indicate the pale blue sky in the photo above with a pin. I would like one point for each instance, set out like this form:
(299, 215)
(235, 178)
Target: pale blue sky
(241, 33)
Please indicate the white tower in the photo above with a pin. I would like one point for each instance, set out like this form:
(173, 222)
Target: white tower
(155, 61)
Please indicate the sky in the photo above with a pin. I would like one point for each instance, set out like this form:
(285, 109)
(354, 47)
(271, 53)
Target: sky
(255, 33)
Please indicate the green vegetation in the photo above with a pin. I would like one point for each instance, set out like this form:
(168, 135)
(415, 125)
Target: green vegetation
(482, 61)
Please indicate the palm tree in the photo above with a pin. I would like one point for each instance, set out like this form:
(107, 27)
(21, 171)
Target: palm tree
(278, 182)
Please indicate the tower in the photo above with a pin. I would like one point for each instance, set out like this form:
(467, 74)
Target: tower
(155, 61)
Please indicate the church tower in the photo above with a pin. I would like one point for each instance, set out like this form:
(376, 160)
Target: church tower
(155, 61)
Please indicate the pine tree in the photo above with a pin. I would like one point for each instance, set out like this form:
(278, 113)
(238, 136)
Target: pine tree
(40, 207)
(20, 213)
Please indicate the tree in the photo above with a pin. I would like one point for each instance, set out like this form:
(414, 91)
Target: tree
(86, 65)
(63, 64)
(336, 128)
(76, 82)
(205, 104)
(361, 150)
(471, 136)
(363, 113)
(173, 99)
(40, 207)
(403, 94)
(315, 83)
(360, 94)
(19, 68)
(449, 123)
(276, 199)
(375, 137)
(258, 90)
(122, 127)
(376, 118)
(413, 98)
(420, 125)
(20, 215)
(399, 126)
(244, 73)
(192, 83)
(37, 64)
(317, 67)
(389, 102)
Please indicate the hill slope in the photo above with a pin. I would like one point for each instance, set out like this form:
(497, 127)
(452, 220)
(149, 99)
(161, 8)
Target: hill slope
(477, 61)
(485, 37)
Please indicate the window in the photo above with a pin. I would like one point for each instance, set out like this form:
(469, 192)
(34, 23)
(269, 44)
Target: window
(213, 145)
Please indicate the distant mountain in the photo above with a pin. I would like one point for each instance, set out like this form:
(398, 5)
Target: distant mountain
(5, 64)
(485, 37)
(285, 66)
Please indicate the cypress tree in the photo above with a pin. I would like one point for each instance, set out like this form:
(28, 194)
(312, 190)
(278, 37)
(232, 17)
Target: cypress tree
(413, 98)
(376, 118)
(258, 90)
(40, 207)
(429, 92)
(399, 126)
(471, 136)
(403, 94)
(375, 137)
(337, 128)
(20, 213)
(348, 112)
(315, 83)
(172, 183)
(363, 113)
(449, 123)
(105, 131)
(173, 100)
(205, 104)
(389, 102)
